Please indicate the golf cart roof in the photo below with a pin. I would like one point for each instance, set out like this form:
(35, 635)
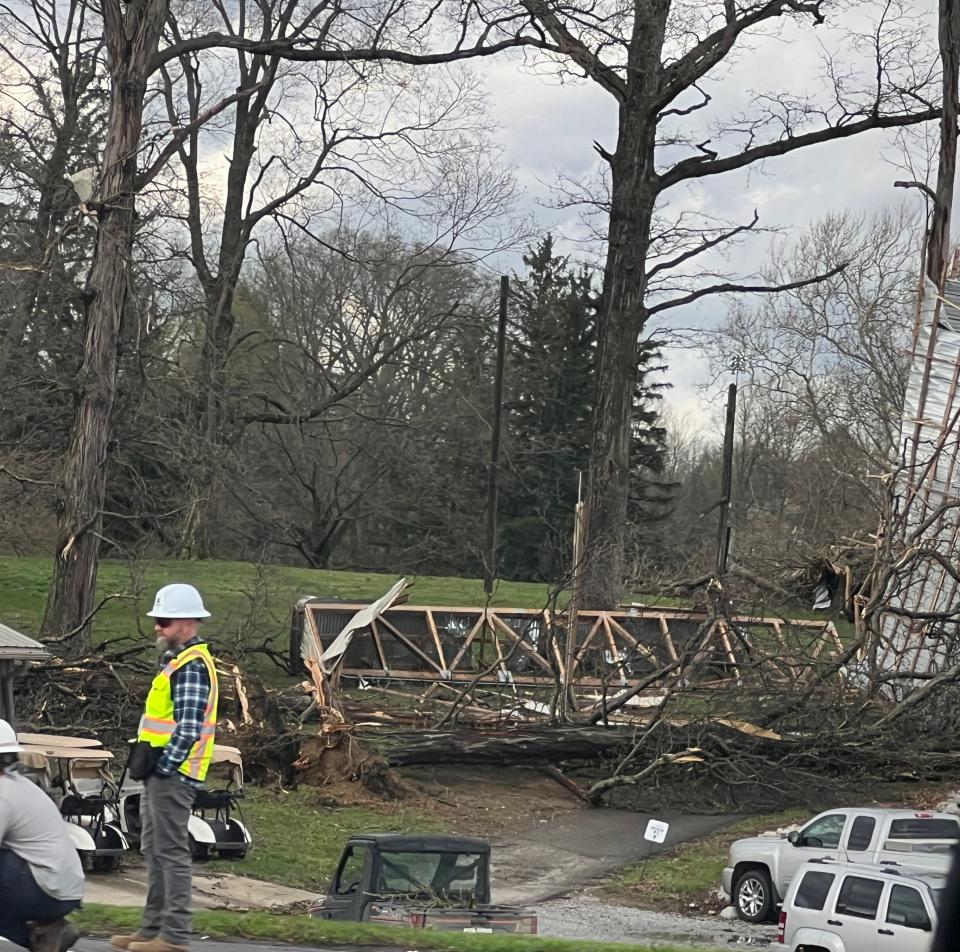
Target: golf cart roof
(413, 843)
(86, 754)
(227, 755)
(57, 740)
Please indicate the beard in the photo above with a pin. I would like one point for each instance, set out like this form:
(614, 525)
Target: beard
(163, 643)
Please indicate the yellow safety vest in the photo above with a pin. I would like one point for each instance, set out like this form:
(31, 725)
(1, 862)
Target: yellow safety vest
(157, 724)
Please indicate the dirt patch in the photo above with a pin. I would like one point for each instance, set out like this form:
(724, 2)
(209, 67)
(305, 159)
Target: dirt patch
(490, 802)
(481, 802)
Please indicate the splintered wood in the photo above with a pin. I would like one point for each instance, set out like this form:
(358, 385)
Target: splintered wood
(323, 661)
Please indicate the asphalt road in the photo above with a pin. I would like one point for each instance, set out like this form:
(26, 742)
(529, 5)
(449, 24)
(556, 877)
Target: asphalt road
(554, 858)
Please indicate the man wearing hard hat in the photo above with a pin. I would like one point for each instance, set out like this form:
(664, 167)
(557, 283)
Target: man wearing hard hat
(41, 877)
(173, 751)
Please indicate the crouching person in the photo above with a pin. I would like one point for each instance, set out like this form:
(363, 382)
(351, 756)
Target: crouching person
(41, 877)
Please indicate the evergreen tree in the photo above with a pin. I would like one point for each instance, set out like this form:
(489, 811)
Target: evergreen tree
(550, 386)
(550, 391)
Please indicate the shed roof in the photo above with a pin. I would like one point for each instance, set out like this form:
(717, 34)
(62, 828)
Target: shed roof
(16, 647)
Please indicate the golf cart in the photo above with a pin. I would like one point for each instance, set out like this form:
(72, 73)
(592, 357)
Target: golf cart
(424, 882)
(212, 826)
(75, 772)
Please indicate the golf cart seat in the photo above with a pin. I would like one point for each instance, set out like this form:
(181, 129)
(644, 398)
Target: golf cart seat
(215, 799)
(78, 806)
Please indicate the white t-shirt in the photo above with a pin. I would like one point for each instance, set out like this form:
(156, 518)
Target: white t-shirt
(32, 828)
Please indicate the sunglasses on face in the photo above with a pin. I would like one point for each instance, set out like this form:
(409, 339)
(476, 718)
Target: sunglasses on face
(164, 622)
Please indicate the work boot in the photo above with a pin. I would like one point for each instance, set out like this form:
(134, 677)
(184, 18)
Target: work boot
(123, 942)
(56, 935)
(157, 945)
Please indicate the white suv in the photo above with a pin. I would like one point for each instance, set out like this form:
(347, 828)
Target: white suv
(848, 907)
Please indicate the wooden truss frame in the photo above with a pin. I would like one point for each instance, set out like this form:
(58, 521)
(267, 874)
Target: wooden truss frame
(527, 647)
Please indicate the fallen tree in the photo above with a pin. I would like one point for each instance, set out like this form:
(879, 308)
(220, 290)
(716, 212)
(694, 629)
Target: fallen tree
(521, 745)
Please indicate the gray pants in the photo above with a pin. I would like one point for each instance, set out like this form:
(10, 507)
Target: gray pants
(165, 843)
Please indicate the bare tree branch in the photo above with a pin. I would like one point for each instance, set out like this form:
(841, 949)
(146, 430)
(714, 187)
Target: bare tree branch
(732, 288)
(700, 166)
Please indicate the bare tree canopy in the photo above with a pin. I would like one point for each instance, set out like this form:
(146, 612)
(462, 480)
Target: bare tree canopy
(664, 63)
(142, 40)
(363, 133)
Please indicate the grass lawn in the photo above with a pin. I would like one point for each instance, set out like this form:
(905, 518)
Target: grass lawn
(248, 601)
(687, 874)
(297, 839)
(244, 598)
(306, 931)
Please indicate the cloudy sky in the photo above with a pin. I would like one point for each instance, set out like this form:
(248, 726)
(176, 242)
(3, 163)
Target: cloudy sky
(547, 130)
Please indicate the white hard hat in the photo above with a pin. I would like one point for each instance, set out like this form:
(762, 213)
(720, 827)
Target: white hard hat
(8, 740)
(178, 601)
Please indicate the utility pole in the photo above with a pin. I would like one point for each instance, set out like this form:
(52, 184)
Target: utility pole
(573, 606)
(490, 568)
(726, 486)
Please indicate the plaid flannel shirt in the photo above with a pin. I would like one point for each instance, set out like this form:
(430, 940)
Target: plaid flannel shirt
(190, 687)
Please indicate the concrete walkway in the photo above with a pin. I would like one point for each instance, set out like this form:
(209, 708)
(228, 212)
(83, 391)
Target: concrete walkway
(211, 945)
(128, 887)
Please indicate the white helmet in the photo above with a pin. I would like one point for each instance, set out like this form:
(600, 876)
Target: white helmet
(178, 601)
(8, 740)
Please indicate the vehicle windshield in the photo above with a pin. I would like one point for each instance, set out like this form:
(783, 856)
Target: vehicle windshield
(431, 875)
(937, 898)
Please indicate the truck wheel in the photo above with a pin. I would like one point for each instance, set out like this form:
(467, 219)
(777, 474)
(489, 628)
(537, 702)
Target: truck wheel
(753, 896)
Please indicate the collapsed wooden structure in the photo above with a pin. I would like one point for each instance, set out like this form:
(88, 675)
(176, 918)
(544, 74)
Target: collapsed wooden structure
(530, 647)
(920, 630)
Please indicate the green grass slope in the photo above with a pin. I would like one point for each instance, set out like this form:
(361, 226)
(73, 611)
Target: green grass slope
(245, 599)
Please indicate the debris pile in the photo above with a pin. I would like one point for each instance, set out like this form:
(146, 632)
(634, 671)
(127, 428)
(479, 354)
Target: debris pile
(660, 696)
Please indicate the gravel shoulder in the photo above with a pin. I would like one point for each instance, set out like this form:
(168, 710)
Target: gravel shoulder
(586, 917)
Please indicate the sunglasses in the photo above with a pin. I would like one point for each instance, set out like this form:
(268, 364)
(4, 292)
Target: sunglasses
(164, 622)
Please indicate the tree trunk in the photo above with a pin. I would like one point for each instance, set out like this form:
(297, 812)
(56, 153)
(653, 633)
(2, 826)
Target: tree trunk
(521, 745)
(622, 317)
(219, 322)
(132, 39)
(938, 247)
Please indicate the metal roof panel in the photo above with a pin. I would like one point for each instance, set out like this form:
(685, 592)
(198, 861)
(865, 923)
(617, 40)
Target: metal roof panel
(15, 645)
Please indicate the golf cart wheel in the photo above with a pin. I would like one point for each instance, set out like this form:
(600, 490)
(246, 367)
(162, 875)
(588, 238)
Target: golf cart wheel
(105, 864)
(199, 851)
(233, 852)
(753, 896)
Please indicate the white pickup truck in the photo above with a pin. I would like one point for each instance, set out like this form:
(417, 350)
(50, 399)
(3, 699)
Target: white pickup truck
(760, 869)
